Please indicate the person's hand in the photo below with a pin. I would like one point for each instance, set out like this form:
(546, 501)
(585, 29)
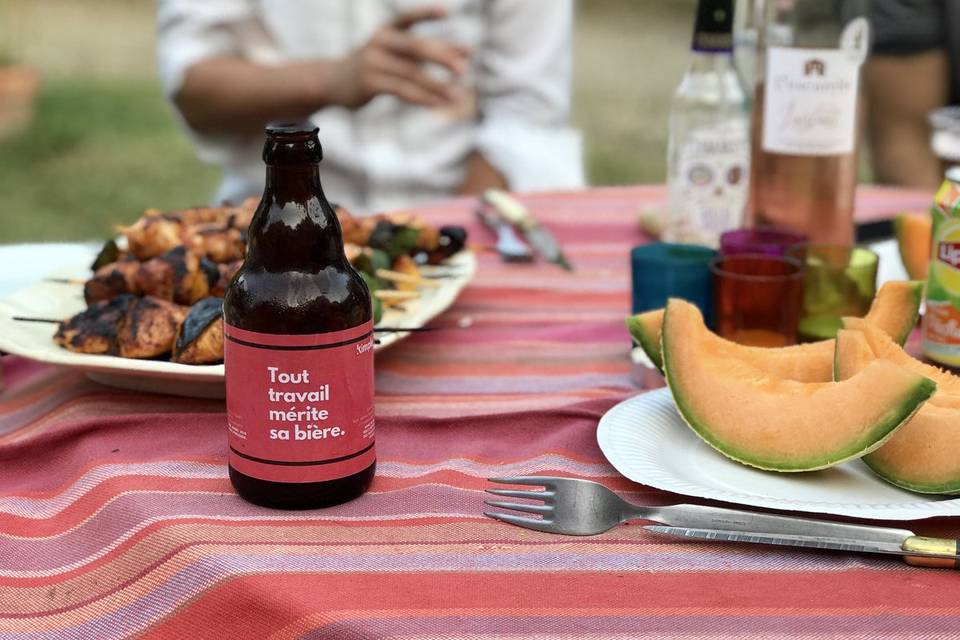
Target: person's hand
(393, 62)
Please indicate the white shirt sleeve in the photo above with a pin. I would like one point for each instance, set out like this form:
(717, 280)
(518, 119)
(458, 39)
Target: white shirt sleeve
(523, 93)
(189, 31)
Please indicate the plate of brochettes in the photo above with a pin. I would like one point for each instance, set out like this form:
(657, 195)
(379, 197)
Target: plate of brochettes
(144, 312)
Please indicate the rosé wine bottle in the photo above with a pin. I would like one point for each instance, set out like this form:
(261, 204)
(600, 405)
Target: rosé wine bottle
(804, 143)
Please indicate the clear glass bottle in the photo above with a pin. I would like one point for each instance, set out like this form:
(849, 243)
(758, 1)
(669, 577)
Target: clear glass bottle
(747, 15)
(709, 146)
(804, 158)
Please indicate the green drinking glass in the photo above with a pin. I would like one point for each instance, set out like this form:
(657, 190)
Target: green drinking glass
(841, 280)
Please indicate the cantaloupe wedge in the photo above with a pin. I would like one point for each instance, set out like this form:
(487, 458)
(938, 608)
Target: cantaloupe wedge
(923, 455)
(645, 329)
(881, 346)
(774, 423)
(913, 239)
(894, 309)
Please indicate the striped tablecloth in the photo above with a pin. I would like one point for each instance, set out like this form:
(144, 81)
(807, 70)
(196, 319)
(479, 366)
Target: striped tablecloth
(117, 518)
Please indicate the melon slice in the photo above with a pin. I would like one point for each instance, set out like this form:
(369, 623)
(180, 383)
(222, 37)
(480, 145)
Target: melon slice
(924, 455)
(913, 232)
(777, 424)
(881, 346)
(894, 309)
(645, 329)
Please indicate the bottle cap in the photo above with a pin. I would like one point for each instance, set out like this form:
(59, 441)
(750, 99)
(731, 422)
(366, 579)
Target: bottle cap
(291, 128)
(714, 26)
(291, 143)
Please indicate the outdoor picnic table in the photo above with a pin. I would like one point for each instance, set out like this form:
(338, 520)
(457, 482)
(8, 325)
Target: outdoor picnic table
(117, 517)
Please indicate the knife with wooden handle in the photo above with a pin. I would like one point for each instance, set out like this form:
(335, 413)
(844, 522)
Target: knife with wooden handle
(509, 246)
(535, 234)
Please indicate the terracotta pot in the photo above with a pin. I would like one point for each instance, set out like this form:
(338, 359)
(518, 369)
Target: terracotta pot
(19, 85)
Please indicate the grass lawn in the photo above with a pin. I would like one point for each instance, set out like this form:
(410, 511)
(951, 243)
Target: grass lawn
(99, 153)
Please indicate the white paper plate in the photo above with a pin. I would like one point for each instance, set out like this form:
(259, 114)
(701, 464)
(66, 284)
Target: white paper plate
(645, 439)
(53, 300)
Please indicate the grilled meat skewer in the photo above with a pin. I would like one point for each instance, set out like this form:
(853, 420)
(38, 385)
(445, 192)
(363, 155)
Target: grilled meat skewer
(149, 327)
(125, 326)
(189, 257)
(152, 235)
(95, 329)
(221, 229)
(402, 233)
(218, 242)
(112, 280)
(177, 275)
(200, 336)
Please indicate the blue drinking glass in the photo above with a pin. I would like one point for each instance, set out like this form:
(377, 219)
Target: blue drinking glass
(663, 270)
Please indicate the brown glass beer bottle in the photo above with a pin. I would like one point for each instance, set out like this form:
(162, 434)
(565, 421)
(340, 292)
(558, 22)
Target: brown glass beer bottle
(298, 345)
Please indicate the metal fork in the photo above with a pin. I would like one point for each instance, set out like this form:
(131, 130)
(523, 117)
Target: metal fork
(567, 505)
(575, 507)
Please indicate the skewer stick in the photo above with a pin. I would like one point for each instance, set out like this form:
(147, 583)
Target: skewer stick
(396, 296)
(65, 280)
(405, 278)
(439, 275)
(442, 269)
(375, 329)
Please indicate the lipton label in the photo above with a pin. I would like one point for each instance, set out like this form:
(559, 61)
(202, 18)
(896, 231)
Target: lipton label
(941, 320)
(942, 323)
(300, 407)
(949, 253)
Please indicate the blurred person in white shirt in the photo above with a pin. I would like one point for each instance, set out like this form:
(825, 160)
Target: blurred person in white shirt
(414, 101)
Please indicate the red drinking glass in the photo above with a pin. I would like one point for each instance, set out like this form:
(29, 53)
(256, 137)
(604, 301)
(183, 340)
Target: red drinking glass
(757, 298)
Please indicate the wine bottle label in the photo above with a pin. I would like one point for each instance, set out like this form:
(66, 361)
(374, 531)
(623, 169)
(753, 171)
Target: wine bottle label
(810, 101)
(300, 407)
(710, 192)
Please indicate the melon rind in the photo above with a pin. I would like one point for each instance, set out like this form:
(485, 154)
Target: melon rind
(923, 455)
(645, 330)
(745, 392)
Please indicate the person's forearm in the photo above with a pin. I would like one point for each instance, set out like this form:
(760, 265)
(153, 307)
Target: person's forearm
(480, 176)
(232, 95)
(901, 90)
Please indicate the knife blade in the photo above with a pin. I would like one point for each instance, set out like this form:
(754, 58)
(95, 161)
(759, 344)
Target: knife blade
(916, 549)
(698, 516)
(509, 246)
(536, 234)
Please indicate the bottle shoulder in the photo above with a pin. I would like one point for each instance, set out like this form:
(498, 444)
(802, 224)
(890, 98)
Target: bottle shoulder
(297, 302)
(710, 88)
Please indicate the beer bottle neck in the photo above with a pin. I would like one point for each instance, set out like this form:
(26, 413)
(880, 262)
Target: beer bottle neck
(291, 183)
(295, 228)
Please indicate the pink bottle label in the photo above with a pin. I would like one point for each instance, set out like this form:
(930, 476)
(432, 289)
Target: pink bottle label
(300, 407)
